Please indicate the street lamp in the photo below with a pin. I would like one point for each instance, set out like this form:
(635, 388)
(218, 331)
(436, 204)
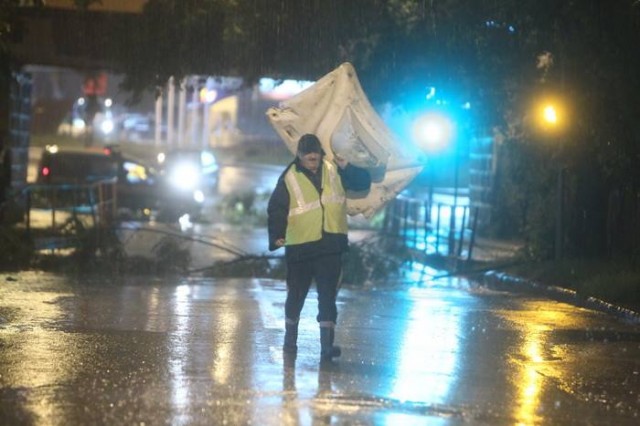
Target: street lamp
(552, 119)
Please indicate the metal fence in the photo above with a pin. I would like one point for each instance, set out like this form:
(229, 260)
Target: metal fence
(433, 228)
(66, 215)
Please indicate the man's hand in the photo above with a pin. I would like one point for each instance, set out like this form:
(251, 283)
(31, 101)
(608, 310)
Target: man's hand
(341, 162)
(280, 242)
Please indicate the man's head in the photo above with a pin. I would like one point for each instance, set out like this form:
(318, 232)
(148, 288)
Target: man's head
(310, 152)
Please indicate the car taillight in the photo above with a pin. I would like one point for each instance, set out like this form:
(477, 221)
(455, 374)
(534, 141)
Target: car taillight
(45, 171)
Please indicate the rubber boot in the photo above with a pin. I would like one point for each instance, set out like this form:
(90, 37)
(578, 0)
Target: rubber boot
(290, 337)
(327, 348)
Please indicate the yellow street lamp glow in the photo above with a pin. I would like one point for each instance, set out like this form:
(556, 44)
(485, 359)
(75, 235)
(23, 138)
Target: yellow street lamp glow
(550, 114)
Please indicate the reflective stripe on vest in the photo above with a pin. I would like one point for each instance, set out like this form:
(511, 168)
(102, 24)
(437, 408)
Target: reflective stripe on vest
(308, 214)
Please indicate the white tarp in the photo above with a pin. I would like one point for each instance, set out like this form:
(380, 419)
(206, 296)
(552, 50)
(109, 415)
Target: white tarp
(337, 110)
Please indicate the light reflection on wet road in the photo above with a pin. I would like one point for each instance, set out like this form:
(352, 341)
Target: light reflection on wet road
(141, 350)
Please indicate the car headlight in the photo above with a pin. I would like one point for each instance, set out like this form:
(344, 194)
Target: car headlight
(78, 124)
(198, 196)
(184, 176)
(106, 126)
(208, 161)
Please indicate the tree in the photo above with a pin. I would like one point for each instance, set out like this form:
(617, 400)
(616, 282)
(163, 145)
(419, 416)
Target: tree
(594, 64)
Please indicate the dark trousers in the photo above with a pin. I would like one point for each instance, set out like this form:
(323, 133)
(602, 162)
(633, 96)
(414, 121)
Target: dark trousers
(326, 270)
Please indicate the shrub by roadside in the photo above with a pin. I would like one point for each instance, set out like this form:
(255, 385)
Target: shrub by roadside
(16, 252)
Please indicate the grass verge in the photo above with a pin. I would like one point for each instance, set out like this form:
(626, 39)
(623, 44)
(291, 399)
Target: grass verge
(616, 281)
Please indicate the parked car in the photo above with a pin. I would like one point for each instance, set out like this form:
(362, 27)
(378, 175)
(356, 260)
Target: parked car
(140, 191)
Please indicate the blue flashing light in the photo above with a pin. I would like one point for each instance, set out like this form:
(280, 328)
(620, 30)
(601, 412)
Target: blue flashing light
(433, 132)
(434, 121)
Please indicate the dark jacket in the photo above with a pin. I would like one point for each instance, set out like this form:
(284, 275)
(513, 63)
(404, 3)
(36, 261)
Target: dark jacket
(353, 179)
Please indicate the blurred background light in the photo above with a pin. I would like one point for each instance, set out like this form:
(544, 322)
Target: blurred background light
(433, 132)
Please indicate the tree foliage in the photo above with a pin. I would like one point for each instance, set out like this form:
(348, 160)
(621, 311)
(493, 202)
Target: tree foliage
(249, 39)
(593, 63)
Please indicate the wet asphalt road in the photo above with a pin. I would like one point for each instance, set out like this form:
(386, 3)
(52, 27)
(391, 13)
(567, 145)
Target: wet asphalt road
(196, 351)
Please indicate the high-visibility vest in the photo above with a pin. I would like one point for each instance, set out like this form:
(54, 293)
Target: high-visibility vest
(309, 213)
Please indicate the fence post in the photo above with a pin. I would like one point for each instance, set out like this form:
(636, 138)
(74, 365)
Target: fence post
(416, 220)
(474, 226)
(464, 219)
(427, 220)
(451, 249)
(438, 230)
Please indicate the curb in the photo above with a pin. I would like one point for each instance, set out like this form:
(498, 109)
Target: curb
(502, 281)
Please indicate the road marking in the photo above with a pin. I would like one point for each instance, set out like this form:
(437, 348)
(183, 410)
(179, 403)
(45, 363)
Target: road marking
(271, 316)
